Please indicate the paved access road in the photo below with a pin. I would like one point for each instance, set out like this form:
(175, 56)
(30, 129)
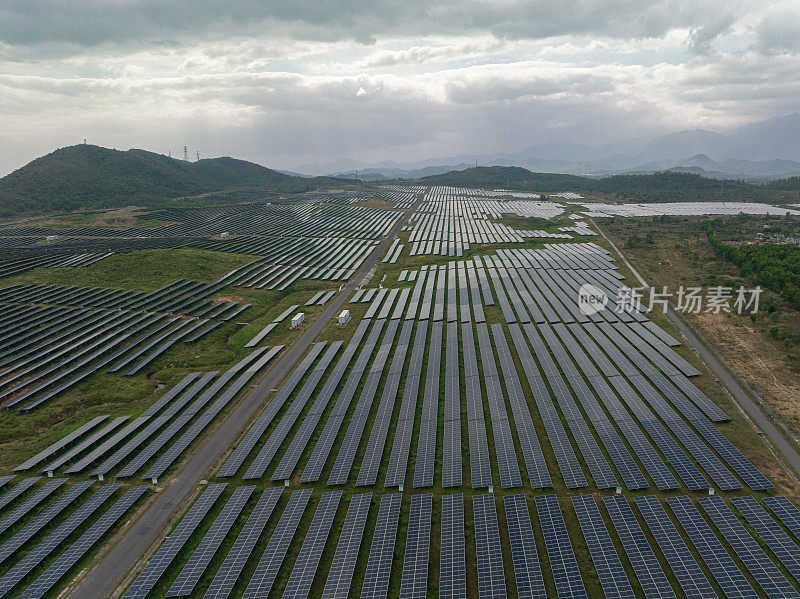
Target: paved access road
(105, 579)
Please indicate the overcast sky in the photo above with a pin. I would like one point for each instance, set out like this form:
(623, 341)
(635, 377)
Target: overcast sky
(285, 83)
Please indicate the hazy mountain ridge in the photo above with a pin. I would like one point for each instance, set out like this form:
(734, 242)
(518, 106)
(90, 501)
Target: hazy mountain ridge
(759, 152)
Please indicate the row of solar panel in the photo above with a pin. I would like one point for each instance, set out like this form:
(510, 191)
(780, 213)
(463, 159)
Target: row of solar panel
(619, 549)
(173, 422)
(577, 370)
(54, 520)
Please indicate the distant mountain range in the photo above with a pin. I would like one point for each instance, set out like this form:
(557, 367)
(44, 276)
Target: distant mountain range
(756, 152)
(87, 176)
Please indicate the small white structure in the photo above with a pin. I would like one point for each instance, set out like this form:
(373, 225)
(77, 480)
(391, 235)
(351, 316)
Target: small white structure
(298, 319)
(344, 317)
(51, 238)
(224, 235)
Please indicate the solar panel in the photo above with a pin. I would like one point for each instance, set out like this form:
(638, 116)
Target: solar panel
(568, 463)
(379, 565)
(414, 582)
(426, 441)
(746, 548)
(36, 555)
(199, 425)
(563, 565)
(17, 490)
(260, 426)
(645, 564)
(529, 442)
(319, 456)
(5, 479)
(489, 553)
(398, 459)
(204, 553)
(83, 445)
(144, 417)
(297, 446)
(30, 503)
(480, 467)
(370, 463)
(299, 585)
(358, 421)
(341, 571)
(722, 567)
(503, 441)
(771, 533)
(603, 476)
(228, 573)
(157, 423)
(79, 548)
(451, 450)
(686, 570)
(606, 561)
(786, 512)
(267, 570)
(452, 561)
(527, 570)
(159, 563)
(60, 444)
(40, 521)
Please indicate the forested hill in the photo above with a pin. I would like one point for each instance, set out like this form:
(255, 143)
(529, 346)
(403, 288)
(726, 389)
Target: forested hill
(656, 187)
(87, 176)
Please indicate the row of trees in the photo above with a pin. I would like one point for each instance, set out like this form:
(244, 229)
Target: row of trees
(776, 267)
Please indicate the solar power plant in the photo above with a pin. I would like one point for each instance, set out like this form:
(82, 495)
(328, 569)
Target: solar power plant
(491, 579)
(202, 556)
(708, 546)
(267, 570)
(606, 561)
(527, 570)
(340, 575)
(414, 582)
(79, 548)
(230, 570)
(379, 566)
(684, 567)
(478, 369)
(563, 564)
(645, 564)
(299, 585)
(452, 559)
(746, 548)
(158, 564)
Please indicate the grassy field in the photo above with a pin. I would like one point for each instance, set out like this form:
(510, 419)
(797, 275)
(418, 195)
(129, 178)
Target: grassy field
(144, 270)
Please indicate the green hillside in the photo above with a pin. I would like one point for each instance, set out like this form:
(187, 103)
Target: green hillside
(655, 187)
(86, 176)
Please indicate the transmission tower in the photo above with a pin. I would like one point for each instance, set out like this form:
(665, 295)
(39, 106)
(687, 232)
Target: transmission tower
(198, 156)
(185, 154)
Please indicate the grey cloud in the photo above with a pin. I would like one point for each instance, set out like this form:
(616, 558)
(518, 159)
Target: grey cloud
(70, 26)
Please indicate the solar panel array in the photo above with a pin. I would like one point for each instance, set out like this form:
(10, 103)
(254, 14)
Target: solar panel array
(584, 400)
